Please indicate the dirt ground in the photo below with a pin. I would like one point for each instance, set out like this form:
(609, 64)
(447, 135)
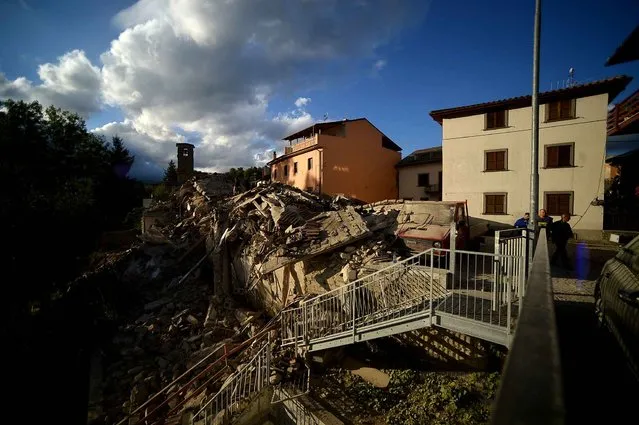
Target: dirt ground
(598, 386)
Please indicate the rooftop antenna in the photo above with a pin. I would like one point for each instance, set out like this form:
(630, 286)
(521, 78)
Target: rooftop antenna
(571, 77)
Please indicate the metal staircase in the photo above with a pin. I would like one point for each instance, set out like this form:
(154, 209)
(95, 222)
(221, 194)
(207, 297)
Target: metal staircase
(469, 292)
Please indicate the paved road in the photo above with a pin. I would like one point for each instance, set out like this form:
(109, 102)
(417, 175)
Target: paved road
(598, 387)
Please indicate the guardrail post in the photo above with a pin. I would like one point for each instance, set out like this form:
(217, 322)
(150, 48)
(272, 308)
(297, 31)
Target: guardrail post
(304, 323)
(453, 243)
(496, 266)
(432, 282)
(353, 310)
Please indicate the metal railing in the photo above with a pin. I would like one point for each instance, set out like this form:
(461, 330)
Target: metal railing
(237, 390)
(483, 289)
(623, 113)
(478, 287)
(514, 244)
(401, 289)
(533, 395)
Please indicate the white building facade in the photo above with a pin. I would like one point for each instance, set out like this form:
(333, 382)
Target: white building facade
(420, 175)
(487, 155)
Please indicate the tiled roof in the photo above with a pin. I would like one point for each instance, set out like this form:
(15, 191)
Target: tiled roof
(613, 86)
(386, 141)
(422, 156)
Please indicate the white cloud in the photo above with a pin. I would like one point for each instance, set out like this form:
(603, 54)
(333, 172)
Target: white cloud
(379, 65)
(302, 101)
(73, 83)
(207, 70)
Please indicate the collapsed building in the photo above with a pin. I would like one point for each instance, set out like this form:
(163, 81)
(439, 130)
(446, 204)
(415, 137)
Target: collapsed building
(206, 251)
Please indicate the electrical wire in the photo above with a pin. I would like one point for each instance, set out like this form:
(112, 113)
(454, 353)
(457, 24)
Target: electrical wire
(603, 164)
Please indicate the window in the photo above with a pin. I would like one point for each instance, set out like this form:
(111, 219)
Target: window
(560, 110)
(275, 174)
(422, 180)
(286, 171)
(496, 160)
(185, 152)
(558, 203)
(295, 168)
(310, 163)
(495, 119)
(495, 203)
(559, 156)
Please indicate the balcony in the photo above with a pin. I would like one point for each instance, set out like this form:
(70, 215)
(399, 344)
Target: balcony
(302, 144)
(624, 117)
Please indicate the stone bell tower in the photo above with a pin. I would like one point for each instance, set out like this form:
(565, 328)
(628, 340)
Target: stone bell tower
(184, 161)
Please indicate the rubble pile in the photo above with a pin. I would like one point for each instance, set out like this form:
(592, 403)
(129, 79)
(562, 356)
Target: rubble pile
(205, 249)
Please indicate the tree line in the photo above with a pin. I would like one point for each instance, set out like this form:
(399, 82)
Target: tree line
(62, 187)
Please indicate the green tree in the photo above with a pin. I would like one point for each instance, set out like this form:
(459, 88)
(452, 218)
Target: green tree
(120, 157)
(170, 174)
(66, 186)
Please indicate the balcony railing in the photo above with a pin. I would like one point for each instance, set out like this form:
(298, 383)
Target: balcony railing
(623, 115)
(302, 144)
(432, 188)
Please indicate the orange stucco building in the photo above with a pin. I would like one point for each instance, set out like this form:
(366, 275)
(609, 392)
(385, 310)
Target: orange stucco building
(348, 157)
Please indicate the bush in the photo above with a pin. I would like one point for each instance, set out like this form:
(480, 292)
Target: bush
(443, 399)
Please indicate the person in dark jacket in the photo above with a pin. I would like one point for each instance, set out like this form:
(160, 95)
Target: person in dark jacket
(544, 220)
(561, 233)
(522, 223)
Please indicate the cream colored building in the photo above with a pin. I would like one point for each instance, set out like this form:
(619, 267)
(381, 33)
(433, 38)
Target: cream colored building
(420, 175)
(486, 155)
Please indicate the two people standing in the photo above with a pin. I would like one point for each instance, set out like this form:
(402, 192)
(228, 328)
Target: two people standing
(559, 232)
(543, 220)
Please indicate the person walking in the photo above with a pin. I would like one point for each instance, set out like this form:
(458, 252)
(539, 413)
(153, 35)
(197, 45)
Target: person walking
(561, 233)
(522, 223)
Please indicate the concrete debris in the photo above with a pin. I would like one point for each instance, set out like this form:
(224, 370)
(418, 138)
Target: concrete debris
(210, 257)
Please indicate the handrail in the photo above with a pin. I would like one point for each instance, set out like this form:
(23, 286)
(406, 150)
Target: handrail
(169, 385)
(270, 326)
(533, 395)
(385, 269)
(259, 365)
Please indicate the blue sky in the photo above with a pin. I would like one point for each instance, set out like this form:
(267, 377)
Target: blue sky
(392, 67)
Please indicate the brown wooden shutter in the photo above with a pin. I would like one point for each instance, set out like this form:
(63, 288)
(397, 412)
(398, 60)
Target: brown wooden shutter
(565, 109)
(552, 157)
(490, 161)
(500, 119)
(563, 156)
(552, 111)
(500, 160)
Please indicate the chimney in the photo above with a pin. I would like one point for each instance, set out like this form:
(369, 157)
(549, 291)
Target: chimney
(274, 154)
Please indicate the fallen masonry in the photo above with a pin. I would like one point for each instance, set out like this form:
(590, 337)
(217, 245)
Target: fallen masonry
(210, 270)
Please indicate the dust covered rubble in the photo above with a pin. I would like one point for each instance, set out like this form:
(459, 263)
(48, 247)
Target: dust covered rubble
(272, 244)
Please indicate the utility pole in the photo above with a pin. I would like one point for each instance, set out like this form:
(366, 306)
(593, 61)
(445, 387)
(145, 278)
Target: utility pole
(534, 145)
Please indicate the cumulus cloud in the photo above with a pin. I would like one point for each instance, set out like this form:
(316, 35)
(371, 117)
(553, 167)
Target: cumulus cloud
(73, 83)
(302, 101)
(209, 69)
